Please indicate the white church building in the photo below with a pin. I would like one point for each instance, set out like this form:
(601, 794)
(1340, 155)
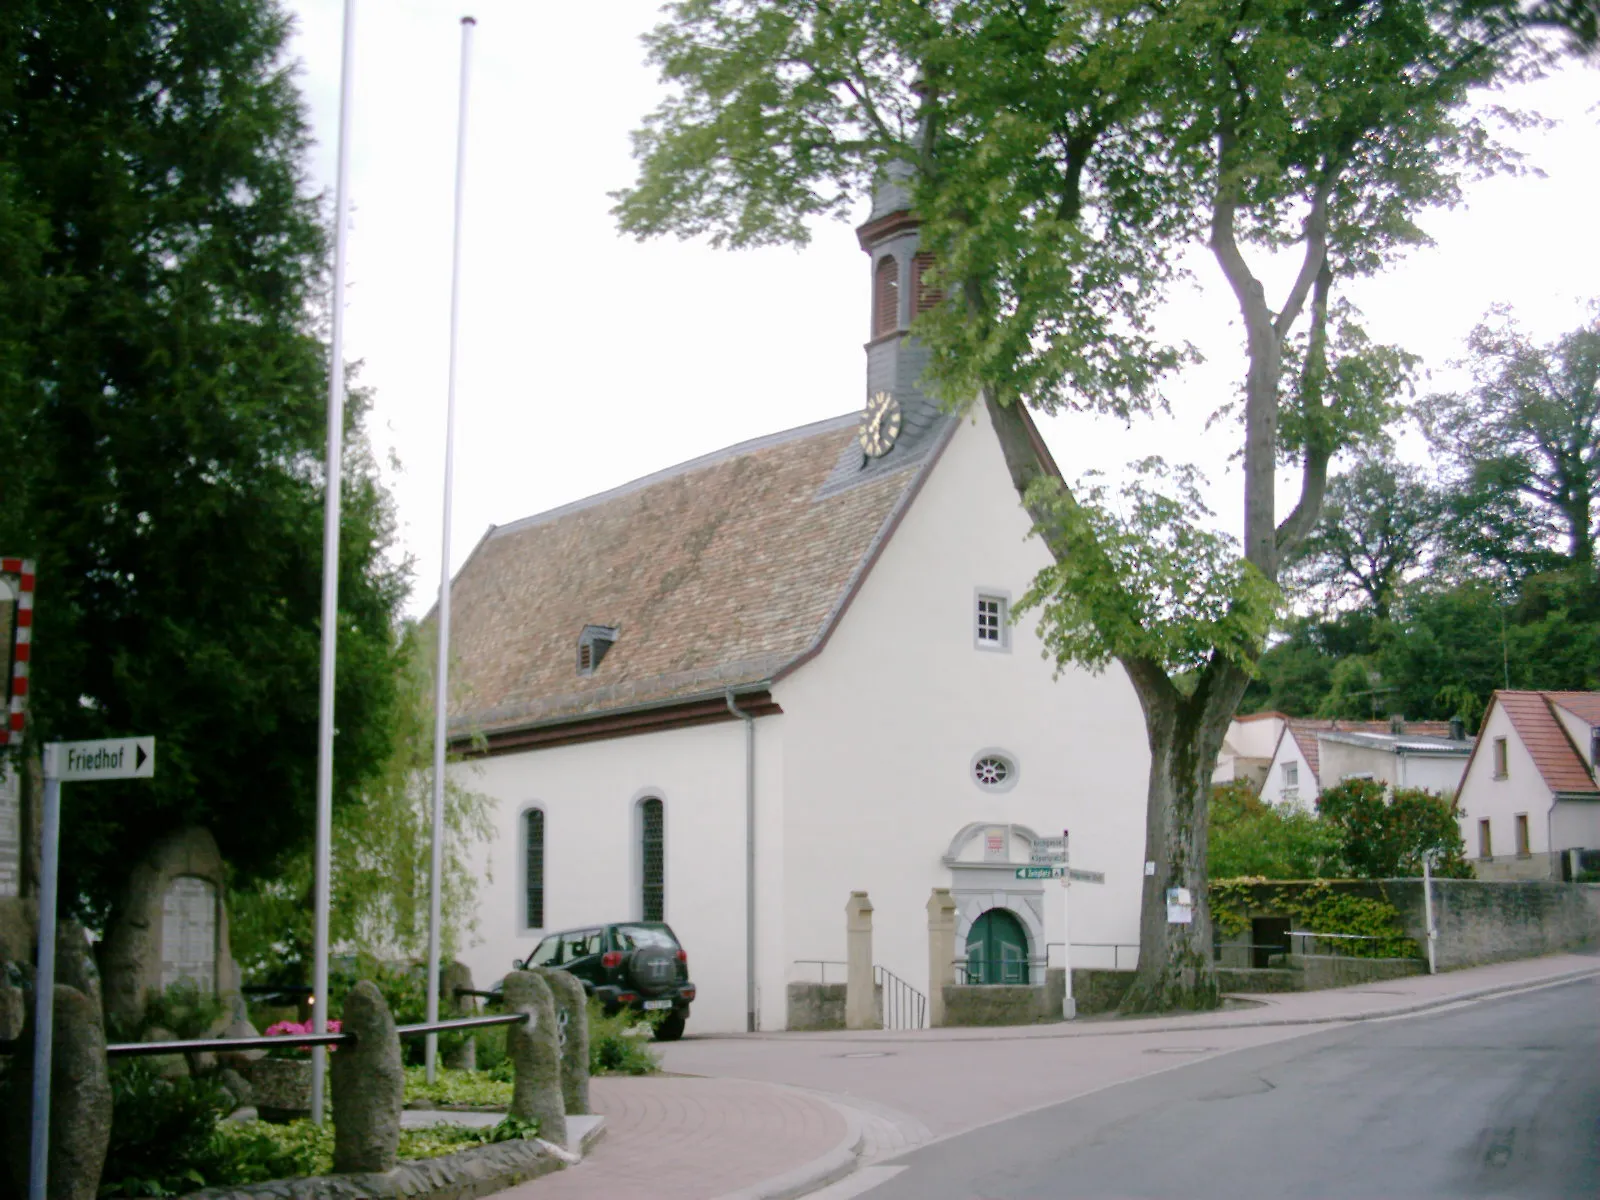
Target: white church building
(730, 693)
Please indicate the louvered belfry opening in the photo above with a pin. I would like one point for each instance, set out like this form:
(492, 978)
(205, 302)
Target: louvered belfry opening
(533, 848)
(653, 880)
(886, 297)
(924, 297)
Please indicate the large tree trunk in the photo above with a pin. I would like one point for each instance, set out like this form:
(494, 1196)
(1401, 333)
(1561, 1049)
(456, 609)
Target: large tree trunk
(1185, 733)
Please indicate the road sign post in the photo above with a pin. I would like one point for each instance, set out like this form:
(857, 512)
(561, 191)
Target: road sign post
(81, 762)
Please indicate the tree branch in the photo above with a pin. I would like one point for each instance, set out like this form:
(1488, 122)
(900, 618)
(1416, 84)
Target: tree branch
(1297, 526)
(1316, 239)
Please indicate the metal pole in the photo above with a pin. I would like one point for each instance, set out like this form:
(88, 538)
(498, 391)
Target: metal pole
(1427, 913)
(44, 986)
(441, 675)
(751, 1016)
(334, 473)
(1069, 1006)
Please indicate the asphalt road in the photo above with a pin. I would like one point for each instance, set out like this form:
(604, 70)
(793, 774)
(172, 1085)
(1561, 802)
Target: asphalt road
(1495, 1098)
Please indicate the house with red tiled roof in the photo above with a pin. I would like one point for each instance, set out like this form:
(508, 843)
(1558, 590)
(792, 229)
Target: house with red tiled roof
(1247, 748)
(1315, 754)
(1531, 794)
(730, 693)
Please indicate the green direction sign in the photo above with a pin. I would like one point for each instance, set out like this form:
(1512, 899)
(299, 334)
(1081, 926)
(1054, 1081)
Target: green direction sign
(1061, 872)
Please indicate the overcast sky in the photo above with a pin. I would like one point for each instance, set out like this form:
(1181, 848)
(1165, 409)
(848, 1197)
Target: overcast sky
(587, 359)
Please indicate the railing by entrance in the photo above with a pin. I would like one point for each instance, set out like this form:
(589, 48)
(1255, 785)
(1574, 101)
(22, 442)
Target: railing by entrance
(1095, 960)
(1020, 972)
(903, 1006)
(822, 965)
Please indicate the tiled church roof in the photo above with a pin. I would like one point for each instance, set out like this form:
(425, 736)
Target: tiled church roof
(717, 573)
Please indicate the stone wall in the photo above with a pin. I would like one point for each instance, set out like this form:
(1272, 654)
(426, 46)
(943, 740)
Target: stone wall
(1479, 921)
(1002, 1004)
(1098, 990)
(1259, 979)
(814, 1007)
(1318, 971)
(1482, 921)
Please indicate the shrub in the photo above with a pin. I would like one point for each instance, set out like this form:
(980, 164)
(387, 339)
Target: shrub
(1249, 837)
(620, 1044)
(1385, 837)
(457, 1087)
(160, 1131)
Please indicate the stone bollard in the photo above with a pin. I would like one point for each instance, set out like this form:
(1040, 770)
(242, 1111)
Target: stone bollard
(572, 1023)
(941, 952)
(535, 1051)
(462, 1056)
(369, 1085)
(860, 1002)
(80, 1100)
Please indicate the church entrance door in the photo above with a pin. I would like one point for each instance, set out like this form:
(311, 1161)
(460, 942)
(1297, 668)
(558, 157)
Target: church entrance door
(997, 949)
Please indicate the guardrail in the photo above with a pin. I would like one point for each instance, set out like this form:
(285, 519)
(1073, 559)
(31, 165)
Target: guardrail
(289, 1041)
(1079, 964)
(903, 1006)
(823, 964)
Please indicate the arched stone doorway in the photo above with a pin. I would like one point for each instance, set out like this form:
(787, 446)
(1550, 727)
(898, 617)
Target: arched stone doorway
(997, 949)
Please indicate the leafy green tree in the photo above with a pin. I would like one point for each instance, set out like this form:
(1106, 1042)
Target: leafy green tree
(1250, 838)
(381, 849)
(1524, 443)
(167, 401)
(1064, 155)
(1385, 836)
(1380, 525)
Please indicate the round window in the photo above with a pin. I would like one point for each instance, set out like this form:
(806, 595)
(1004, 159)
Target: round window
(991, 771)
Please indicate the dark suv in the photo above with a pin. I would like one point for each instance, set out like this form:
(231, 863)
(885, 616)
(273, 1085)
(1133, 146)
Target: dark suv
(637, 965)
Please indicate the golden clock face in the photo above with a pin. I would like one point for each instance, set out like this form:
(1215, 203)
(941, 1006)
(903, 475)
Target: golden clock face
(880, 424)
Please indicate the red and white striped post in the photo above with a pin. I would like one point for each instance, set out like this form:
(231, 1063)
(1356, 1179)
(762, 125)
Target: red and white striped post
(21, 569)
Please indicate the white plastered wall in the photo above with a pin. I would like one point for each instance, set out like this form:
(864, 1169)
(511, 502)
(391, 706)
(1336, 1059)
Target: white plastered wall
(1304, 793)
(589, 793)
(1523, 790)
(881, 730)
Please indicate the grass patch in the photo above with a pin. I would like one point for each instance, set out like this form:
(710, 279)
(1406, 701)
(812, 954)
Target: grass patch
(457, 1087)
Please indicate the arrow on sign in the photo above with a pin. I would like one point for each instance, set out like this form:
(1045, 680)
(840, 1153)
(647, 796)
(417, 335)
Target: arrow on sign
(112, 758)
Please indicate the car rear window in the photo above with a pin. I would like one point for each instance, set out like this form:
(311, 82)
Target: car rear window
(637, 937)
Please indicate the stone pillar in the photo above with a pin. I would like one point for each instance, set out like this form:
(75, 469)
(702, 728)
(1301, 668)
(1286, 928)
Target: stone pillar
(462, 1055)
(941, 952)
(535, 1050)
(80, 1100)
(369, 1085)
(572, 1026)
(860, 1007)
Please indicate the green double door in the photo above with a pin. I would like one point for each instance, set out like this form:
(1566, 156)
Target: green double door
(997, 949)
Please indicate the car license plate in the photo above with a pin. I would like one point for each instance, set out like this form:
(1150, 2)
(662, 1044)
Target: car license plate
(651, 1005)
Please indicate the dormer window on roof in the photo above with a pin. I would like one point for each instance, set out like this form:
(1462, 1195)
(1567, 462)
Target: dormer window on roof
(593, 643)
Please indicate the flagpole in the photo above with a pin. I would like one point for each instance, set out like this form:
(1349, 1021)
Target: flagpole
(442, 670)
(334, 479)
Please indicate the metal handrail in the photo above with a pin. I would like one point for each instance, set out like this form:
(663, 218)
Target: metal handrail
(1116, 949)
(904, 1007)
(824, 963)
(200, 1045)
(290, 1041)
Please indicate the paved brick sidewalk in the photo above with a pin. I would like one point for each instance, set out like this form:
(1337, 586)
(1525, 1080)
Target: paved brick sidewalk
(675, 1138)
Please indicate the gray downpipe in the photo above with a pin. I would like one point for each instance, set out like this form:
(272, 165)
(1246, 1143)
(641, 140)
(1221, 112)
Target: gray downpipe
(749, 860)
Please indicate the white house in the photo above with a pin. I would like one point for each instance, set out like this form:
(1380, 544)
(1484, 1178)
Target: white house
(732, 692)
(1315, 754)
(1531, 792)
(1248, 747)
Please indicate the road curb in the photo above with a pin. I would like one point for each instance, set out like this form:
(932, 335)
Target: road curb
(828, 1168)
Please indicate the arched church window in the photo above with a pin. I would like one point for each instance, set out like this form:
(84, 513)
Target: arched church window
(886, 297)
(652, 859)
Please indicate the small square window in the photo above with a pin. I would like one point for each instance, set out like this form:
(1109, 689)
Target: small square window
(1291, 775)
(992, 631)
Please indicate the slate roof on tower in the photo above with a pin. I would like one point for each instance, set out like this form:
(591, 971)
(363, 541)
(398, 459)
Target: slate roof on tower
(717, 573)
